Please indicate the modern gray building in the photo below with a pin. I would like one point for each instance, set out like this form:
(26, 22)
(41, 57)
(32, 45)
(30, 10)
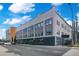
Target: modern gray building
(7, 35)
(48, 28)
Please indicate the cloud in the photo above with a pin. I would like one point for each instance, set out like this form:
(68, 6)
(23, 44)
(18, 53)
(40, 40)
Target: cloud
(22, 7)
(77, 18)
(1, 7)
(77, 15)
(7, 21)
(26, 18)
(68, 20)
(57, 4)
(15, 21)
(2, 33)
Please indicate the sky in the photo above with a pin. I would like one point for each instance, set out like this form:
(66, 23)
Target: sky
(15, 14)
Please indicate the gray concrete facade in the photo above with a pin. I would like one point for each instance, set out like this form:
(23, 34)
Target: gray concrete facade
(44, 26)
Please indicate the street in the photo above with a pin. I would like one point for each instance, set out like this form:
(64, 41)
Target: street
(36, 50)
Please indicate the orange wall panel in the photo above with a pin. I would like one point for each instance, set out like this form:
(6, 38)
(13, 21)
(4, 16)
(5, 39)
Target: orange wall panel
(12, 32)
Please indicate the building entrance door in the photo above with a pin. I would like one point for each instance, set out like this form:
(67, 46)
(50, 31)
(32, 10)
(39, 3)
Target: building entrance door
(65, 40)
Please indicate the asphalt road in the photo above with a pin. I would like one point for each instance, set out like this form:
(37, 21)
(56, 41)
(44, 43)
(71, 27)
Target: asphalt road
(36, 50)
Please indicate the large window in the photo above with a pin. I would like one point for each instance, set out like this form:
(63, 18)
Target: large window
(25, 33)
(58, 23)
(68, 29)
(62, 25)
(39, 29)
(30, 31)
(65, 27)
(48, 26)
(19, 34)
(48, 21)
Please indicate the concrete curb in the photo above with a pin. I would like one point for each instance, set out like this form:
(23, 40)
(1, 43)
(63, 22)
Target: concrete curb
(3, 52)
(74, 51)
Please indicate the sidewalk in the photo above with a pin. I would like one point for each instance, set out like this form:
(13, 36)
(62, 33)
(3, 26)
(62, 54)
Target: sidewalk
(4, 52)
(73, 52)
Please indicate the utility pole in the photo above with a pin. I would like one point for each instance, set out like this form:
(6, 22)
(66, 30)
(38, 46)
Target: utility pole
(72, 17)
(76, 23)
(74, 26)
